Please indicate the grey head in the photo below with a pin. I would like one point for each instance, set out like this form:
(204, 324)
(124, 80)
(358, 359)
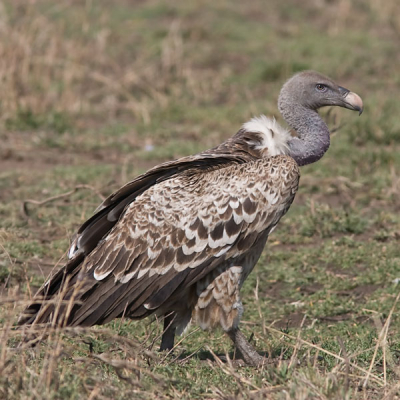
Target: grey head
(313, 90)
(300, 98)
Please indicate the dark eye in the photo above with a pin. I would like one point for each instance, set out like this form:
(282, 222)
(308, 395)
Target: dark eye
(321, 88)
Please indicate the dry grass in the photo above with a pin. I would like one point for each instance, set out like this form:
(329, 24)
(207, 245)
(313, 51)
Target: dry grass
(184, 76)
(45, 69)
(40, 361)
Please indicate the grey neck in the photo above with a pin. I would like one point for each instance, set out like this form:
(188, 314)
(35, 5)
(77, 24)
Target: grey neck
(313, 135)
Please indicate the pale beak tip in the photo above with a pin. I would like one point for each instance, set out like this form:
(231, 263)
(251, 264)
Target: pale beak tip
(355, 102)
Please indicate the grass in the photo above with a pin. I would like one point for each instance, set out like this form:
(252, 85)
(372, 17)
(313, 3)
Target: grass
(94, 93)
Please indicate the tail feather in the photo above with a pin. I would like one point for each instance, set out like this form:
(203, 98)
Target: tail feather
(46, 301)
(74, 298)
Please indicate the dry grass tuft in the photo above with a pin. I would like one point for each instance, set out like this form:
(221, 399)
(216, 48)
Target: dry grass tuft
(41, 360)
(46, 69)
(95, 92)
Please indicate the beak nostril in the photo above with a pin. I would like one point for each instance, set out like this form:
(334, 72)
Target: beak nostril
(343, 91)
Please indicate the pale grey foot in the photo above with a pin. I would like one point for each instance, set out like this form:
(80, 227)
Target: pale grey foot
(248, 352)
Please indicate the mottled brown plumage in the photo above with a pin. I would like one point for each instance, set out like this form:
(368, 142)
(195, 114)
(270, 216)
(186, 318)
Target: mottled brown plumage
(179, 240)
(168, 240)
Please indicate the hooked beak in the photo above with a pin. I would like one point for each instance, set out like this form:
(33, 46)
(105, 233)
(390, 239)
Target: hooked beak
(351, 100)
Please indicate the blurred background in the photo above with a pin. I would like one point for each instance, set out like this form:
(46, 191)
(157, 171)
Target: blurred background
(95, 92)
(106, 77)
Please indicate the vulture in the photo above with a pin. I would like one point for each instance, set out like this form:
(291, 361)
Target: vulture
(179, 240)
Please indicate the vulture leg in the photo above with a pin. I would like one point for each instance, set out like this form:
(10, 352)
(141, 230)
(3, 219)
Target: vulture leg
(168, 336)
(250, 355)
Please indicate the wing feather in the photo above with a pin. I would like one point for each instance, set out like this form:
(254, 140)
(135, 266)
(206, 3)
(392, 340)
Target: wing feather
(218, 216)
(156, 231)
(108, 213)
(171, 232)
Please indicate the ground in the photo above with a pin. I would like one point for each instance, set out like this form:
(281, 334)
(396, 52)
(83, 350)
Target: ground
(94, 93)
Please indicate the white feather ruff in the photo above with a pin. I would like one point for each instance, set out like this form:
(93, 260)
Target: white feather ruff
(275, 137)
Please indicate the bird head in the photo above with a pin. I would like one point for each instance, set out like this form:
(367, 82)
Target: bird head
(313, 90)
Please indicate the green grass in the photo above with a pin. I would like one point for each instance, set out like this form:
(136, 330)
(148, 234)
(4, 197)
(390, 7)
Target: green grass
(96, 93)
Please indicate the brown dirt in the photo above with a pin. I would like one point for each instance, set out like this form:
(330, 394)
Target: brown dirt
(274, 289)
(360, 292)
(293, 320)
